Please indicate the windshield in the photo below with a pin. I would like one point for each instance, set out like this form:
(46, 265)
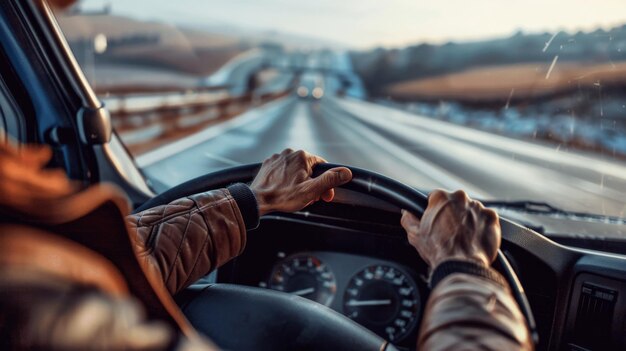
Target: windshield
(507, 100)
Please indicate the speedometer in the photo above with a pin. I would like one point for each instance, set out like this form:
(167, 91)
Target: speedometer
(384, 299)
(306, 276)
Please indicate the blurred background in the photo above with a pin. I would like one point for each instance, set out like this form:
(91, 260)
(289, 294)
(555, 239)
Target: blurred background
(570, 80)
(565, 85)
(552, 74)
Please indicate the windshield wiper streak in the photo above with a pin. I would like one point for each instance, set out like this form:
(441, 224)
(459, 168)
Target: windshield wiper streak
(544, 208)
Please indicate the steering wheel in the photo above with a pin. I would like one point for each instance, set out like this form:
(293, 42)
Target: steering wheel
(244, 318)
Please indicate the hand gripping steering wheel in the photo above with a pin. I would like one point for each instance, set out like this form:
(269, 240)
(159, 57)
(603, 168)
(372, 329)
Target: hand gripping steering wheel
(242, 318)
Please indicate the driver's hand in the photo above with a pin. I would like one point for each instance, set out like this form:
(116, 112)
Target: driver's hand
(454, 227)
(25, 178)
(284, 182)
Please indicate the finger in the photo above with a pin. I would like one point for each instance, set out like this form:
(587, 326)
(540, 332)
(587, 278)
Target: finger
(460, 196)
(329, 195)
(491, 242)
(330, 179)
(477, 204)
(409, 221)
(491, 216)
(314, 160)
(272, 158)
(437, 196)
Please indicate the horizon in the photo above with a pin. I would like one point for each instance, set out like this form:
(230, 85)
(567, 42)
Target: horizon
(325, 20)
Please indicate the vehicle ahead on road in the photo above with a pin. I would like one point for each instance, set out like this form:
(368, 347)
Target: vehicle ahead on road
(310, 85)
(523, 148)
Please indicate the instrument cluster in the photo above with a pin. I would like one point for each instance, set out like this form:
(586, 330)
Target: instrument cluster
(383, 296)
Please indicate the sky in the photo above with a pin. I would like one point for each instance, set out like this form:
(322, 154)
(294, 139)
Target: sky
(388, 23)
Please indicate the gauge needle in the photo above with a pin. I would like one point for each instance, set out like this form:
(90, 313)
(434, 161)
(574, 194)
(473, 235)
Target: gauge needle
(355, 303)
(303, 291)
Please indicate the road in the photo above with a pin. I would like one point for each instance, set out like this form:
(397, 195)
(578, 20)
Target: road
(420, 151)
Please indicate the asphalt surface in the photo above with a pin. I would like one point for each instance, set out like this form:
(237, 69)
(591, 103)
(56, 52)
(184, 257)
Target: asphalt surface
(419, 151)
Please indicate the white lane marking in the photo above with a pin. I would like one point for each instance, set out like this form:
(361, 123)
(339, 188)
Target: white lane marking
(545, 181)
(432, 171)
(300, 135)
(174, 148)
(520, 147)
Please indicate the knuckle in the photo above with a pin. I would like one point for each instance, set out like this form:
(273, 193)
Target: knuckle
(301, 155)
(477, 204)
(437, 192)
(287, 151)
(491, 215)
(460, 195)
(437, 195)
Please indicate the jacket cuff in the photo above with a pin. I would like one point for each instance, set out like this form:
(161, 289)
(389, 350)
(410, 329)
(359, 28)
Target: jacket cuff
(246, 201)
(465, 267)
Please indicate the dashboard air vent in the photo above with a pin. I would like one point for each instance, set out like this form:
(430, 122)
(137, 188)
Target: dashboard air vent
(594, 317)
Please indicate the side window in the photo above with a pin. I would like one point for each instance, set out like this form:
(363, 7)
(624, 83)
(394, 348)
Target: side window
(10, 123)
(15, 106)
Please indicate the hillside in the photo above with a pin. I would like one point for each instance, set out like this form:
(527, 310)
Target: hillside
(564, 88)
(382, 67)
(150, 42)
(524, 81)
(179, 55)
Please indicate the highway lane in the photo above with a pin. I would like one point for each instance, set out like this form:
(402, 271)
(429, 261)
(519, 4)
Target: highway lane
(416, 150)
(295, 123)
(501, 167)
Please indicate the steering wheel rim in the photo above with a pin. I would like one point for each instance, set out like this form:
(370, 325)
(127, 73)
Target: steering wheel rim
(363, 181)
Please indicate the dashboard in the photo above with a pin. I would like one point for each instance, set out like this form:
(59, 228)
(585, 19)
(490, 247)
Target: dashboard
(381, 295)
(355, 259)
(365, 270)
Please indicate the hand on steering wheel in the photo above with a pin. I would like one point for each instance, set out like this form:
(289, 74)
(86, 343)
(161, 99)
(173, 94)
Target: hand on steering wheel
(454, 227)
(284, 182)
(330, 329)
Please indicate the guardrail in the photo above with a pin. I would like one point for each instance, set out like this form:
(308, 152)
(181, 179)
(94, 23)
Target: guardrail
(144, 121)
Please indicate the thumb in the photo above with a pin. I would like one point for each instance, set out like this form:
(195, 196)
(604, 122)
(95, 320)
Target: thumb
(409, 222)
(330, 179)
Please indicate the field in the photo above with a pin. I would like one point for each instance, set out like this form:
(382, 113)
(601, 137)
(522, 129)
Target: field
(511, 82)
(572, 105)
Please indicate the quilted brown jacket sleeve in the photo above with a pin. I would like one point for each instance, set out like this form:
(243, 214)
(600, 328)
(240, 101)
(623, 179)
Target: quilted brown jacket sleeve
(187, 238)
(472, 312)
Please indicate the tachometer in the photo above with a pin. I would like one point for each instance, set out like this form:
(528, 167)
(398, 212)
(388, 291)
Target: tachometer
(306, 276)
(384, 299)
